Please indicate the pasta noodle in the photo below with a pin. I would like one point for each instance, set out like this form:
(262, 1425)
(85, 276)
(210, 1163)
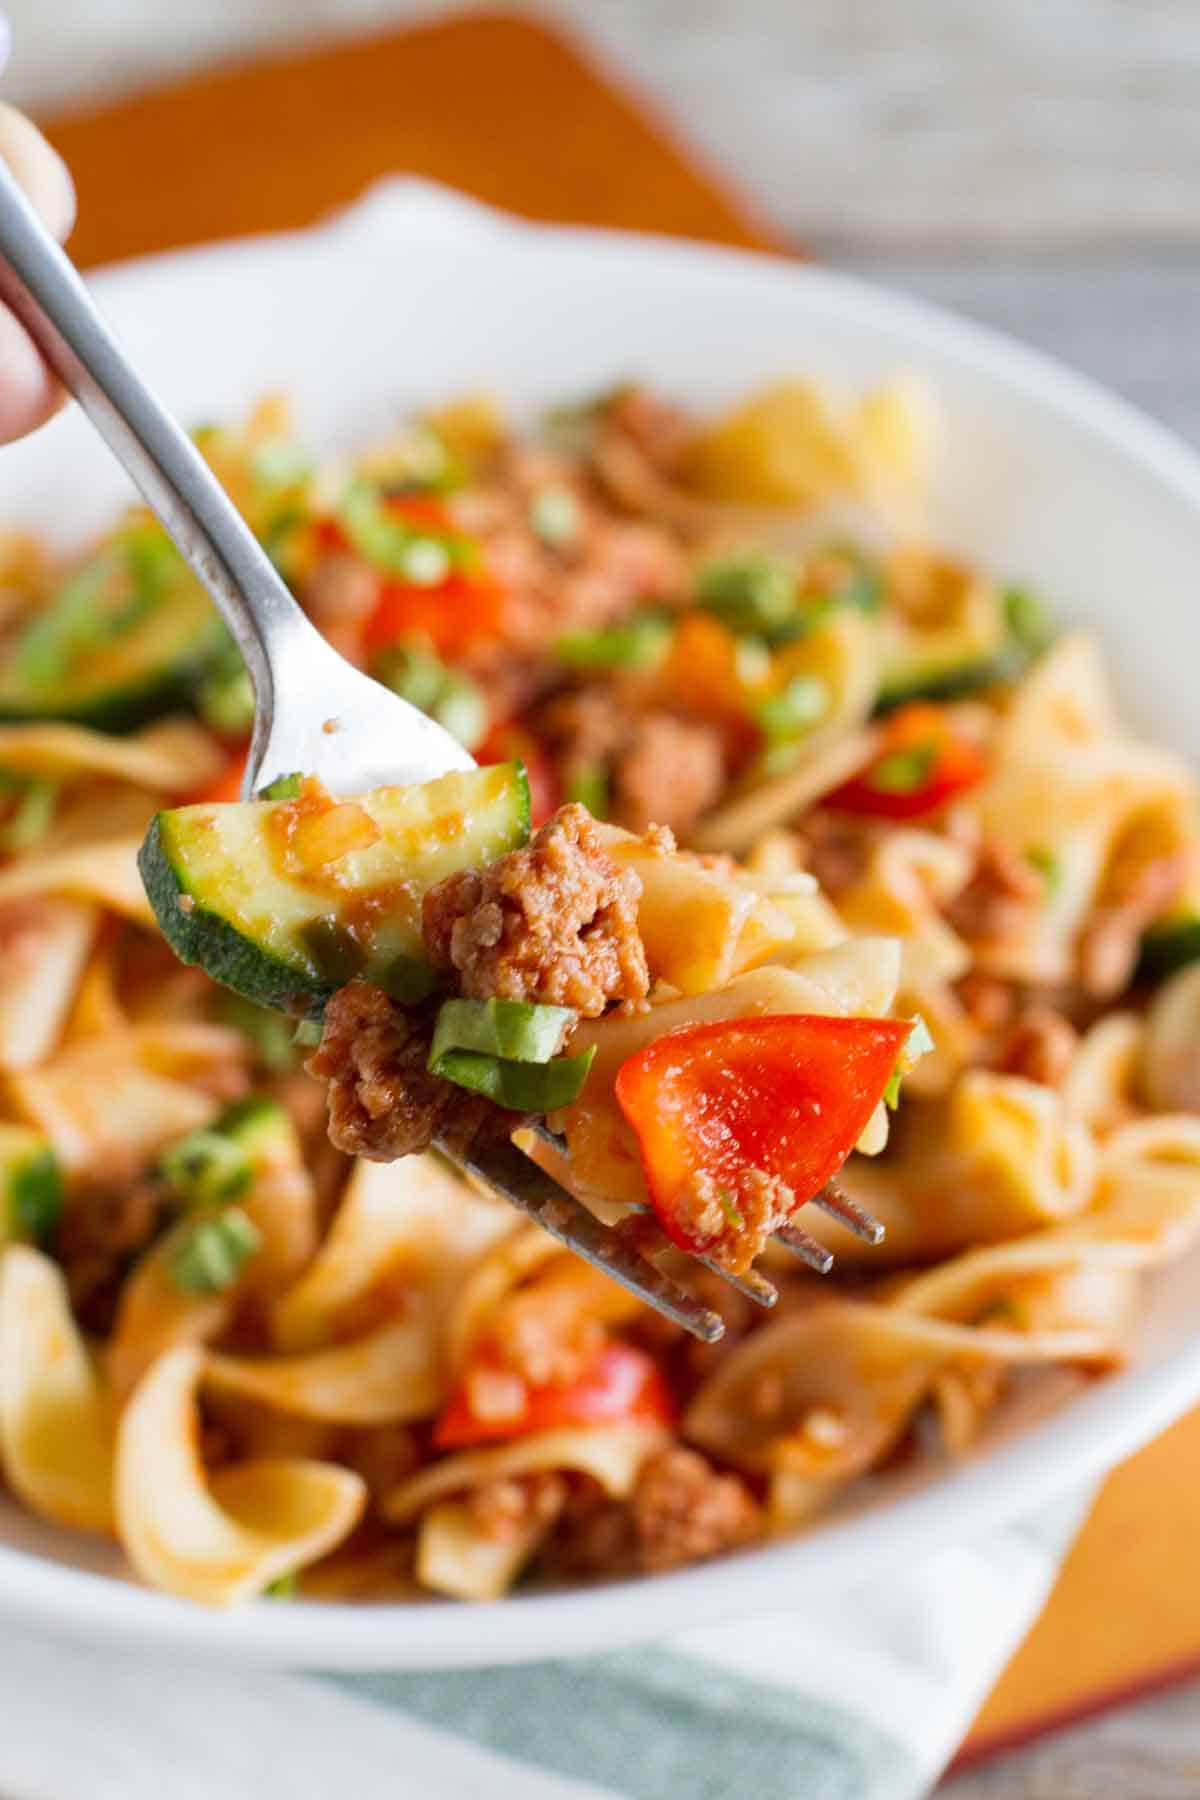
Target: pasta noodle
(254, 1355)
(55, 1422)
(224, 1538)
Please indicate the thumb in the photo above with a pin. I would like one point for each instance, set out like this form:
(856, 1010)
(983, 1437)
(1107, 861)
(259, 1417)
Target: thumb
(40, 170)
(29, 393)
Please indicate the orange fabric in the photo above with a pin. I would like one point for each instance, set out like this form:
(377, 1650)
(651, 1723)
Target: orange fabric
(507, 110)
(498, 106)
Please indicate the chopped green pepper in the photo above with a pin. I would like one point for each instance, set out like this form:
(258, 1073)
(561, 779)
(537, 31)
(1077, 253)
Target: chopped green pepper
(284, 787)
(337, 953)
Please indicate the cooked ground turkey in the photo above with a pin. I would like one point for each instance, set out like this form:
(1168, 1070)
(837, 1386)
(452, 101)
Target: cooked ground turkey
(102, 1229)
(1110, 942)
(661, 769)
(593, 574)
(383, 1102)
(506, 1508)
(732, 1226)
(682, 1510)
(836, 849)
(1040, 1046)
(555, 922)
(1004, 889)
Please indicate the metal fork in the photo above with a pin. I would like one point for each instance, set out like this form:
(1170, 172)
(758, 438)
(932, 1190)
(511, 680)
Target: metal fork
(313, 711)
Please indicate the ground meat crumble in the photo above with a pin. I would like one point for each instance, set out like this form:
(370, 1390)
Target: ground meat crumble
(659, 767)
(383, 1102)
(555, 922)
(682, 1510)
(104, 1226)
(733, 1225)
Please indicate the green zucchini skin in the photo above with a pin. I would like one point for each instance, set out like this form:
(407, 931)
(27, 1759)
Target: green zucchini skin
(200, 936)
(1171, 945)
(958, 683)
(175, 657)
(197, 910)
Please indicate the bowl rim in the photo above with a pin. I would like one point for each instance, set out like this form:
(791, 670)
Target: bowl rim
(1088, 1436)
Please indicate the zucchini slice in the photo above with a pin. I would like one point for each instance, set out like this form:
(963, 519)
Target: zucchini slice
(219, 880)
(126, 638)
(961, 655)
(1170, 945)
(992, 641)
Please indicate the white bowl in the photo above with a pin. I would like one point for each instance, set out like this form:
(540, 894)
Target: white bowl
(417, 294)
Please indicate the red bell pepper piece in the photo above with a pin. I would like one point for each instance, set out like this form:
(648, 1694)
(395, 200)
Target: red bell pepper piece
(465, 609)
(225, 786)
(788, 1094)
(621, 1386)
(921, 763)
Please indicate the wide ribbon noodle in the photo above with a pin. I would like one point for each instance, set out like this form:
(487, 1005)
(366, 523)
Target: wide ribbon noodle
(228, 1536)
(258, 1363)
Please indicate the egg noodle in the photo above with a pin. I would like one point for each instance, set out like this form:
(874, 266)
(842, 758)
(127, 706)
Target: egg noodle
(264, 1366)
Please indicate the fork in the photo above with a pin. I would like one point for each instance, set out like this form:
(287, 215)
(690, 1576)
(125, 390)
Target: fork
(313, 710)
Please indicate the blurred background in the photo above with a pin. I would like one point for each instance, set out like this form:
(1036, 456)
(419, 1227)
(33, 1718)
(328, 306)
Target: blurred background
(1015, 160)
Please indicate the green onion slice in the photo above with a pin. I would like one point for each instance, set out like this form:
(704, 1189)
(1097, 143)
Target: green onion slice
(794, 710)
(268, 1032)
(748, 593)
(32, 800)
(1028, 621)
(588, 785)
(515, 1029)
(212, 1253)
(35, 1196)
(417, 553)
(637, 644)
(554, 516)
(517, 1086)
(919, 1043)
(904, 771)
(206, 1168)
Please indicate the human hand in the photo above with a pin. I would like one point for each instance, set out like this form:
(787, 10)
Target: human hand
(29, 393)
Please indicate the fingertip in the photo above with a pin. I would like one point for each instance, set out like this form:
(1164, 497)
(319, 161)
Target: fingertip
(40, 170)
(29, 394)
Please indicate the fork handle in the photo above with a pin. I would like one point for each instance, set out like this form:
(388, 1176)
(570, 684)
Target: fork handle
(43, 288)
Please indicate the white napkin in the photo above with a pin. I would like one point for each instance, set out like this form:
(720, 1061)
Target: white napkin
(862, 1697)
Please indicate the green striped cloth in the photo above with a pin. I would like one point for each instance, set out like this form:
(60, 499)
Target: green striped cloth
(862, 1697)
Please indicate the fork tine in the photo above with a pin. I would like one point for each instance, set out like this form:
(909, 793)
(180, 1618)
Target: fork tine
(749, 1283)
(807, 1248)
(524, 1185)
(835, 1201)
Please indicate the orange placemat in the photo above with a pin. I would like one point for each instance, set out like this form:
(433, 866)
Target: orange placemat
(508, 111)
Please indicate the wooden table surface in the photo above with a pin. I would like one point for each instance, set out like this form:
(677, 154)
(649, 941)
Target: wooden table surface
(279, 144)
